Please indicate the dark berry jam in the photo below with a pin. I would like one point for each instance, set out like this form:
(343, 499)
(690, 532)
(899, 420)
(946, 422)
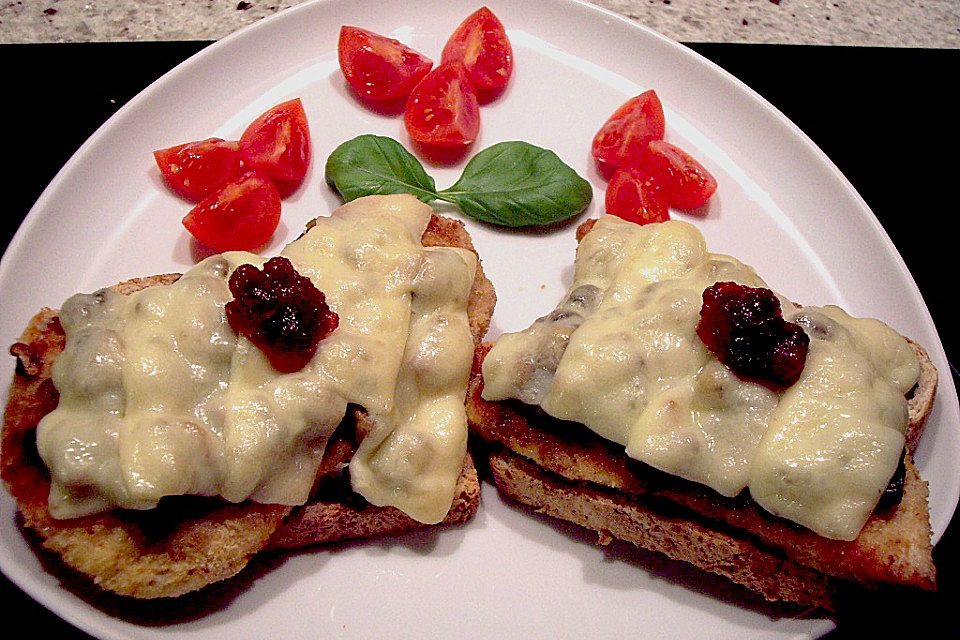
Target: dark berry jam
(279, 311)
(744, 327)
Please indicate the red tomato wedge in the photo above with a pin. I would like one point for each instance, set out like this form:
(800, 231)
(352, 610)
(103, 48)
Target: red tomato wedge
(195, 169)
(622, 140)
(241, 216)
(635, 197)
(379, 68)
(443, 110)
(277, 144)
(686, 184)
(481, 45)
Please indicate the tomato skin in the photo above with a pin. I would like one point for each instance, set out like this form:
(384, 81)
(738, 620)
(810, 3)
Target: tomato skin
(243, 215)
(193, 170)
(622, 140)
(636, 197)
(685, 182)
(277, 144)
(378, 68)
(481, 44)
(443, 110)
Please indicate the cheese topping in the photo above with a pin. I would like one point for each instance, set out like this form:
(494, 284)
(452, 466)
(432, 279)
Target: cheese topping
(158, 395)
(621, 355)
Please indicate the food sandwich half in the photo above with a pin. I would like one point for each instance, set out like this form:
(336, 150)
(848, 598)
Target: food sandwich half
(674, 401)
(161, 432)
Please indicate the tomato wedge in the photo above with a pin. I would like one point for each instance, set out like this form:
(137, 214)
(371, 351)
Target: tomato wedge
(443, 110)
(379, 68)
(686, 184)
(635, 197)
(481, 45)
(622, 140)
(241, 216)
(195, 169)
(277, 144)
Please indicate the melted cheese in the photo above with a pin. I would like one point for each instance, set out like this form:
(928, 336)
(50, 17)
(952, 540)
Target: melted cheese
(160, 397)
(626, 361)
(408, 459)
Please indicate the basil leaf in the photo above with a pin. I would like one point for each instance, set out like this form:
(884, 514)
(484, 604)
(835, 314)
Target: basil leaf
(517, 184)
(369, 164)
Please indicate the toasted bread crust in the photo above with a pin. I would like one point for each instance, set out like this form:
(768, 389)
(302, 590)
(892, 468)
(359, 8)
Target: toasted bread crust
(321, 522)
(618, 514)
(198, 541)
(921, 397)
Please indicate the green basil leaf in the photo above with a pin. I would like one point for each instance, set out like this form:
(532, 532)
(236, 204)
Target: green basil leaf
(368, 165)
(517, 184)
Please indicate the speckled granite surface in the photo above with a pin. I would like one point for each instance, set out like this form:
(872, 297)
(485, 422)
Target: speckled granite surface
(888, 23)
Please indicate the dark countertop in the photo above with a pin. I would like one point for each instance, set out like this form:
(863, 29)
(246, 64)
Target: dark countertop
(885, 116)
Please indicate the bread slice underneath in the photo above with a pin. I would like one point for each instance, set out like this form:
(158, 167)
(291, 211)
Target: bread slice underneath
(188, 542)
(564, 470)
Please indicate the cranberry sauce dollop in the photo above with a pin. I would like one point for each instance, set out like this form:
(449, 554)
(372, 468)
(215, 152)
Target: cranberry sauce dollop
(744, 327)
(280, 311)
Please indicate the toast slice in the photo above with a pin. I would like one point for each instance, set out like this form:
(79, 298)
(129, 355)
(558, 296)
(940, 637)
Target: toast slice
(188, 542)
(565, 470)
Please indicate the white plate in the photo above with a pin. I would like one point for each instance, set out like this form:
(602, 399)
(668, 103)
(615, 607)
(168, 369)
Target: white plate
(106, 217)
